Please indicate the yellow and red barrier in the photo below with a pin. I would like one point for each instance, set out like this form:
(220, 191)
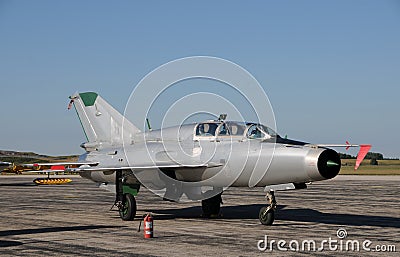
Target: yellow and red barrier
(51, 181)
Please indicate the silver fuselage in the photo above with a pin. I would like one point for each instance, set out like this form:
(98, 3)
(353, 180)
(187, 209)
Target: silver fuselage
(227, 160)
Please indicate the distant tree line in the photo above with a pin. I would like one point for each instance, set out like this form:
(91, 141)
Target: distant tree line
(370, 155)
(373, 157)
(346, 156)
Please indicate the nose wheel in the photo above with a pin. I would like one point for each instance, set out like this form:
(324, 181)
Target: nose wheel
(267, 213)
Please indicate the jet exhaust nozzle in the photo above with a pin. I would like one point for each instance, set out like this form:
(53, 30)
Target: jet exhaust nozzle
(329, 164)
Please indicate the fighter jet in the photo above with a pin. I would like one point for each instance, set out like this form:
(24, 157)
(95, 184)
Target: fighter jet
(195, 161)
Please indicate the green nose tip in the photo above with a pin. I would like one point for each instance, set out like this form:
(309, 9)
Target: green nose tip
(331, 163)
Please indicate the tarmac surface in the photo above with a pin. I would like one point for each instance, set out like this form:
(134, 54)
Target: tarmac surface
(74, 220)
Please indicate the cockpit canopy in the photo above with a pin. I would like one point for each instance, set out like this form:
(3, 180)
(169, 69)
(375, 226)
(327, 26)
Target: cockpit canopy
(212, 129)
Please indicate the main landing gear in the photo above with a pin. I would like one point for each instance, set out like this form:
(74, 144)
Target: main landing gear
(267, 213)
(211, 206)
(125, 203)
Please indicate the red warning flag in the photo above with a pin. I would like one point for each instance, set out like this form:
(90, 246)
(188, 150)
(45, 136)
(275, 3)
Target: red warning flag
(361, 155)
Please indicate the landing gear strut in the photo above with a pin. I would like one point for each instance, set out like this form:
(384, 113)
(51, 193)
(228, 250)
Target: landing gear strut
(211, 206)
(267, 214)
(125, 203)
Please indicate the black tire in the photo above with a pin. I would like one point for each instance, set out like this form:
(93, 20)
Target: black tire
(211, 206)
(128, 211)
(266, 218)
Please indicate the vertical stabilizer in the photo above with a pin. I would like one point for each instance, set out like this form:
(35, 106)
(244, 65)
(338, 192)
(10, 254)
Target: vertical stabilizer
(100, 121)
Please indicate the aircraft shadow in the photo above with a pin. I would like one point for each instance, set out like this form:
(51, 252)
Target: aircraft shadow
(309, 215)
(52, 229)
(300, 215)
(9, 243)
(26, 184)
(228, 212)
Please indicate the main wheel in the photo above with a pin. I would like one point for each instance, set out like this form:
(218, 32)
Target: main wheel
(266, 217)
(211, 206)
(128, 211)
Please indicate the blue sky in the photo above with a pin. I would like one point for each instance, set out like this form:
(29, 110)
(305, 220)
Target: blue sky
(330, 68)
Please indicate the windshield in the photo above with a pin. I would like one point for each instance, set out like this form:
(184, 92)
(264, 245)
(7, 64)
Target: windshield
(257, 131)
(269, 131)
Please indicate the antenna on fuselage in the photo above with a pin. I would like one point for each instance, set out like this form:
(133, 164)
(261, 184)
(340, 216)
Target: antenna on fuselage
(222, 116)
(148, 124)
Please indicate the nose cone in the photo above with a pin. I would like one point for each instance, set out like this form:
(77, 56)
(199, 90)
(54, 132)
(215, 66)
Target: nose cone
(329, 164)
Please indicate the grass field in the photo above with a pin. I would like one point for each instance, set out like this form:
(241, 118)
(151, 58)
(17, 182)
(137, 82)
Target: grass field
(384, 167)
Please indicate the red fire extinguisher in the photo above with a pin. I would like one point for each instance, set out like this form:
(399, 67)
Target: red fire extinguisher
(148, 226)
